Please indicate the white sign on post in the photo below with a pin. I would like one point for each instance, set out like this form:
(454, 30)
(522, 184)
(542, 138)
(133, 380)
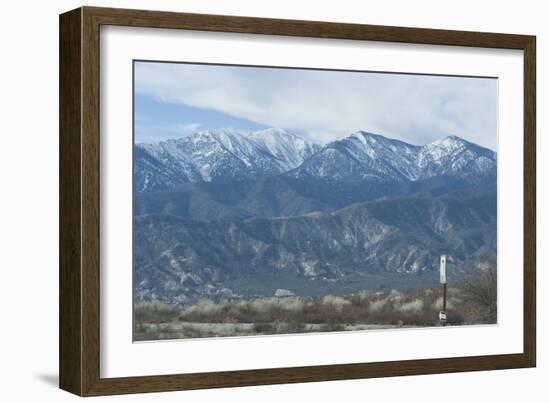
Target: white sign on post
(443, 269)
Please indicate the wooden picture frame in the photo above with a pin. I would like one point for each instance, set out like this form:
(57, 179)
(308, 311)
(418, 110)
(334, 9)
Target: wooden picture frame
(79, 278)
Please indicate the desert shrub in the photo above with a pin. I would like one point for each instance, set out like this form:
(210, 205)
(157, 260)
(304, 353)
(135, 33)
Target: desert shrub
(413, 306)
(155, 312)
(264, 328)
(455, 317)
(204, 310)
(479, 294)
(332, 328)
(294, 304)
(314, 312)
(377, 305)
(336, 302)
(289, 327)
(471, 300)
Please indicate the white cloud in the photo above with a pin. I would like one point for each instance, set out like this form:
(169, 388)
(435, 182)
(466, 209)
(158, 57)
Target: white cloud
(328, 104)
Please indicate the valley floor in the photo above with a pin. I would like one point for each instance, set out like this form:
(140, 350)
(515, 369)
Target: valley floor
(472, 301)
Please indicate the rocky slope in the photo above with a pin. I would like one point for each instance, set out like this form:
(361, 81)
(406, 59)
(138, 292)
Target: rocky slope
(182, 259)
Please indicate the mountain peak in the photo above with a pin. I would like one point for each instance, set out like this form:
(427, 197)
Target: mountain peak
(366, 137)
(449, 141)
(454, 156)
(273, 135)
(274, 131)
(361, 136)
(373, 139)
(454, 138)
(455, 142)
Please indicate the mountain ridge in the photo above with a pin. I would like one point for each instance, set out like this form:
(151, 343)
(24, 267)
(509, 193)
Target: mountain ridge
(385, 238)
(222, 156)
(369, 156)
(218, 156)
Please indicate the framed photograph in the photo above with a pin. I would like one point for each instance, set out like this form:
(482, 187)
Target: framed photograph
(248, 201)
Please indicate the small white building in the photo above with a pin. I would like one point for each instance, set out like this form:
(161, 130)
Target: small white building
(281, 292)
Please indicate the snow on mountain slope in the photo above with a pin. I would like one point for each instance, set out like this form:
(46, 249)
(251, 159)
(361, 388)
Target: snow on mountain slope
(453, 156)
(229, 155)
(363, 155)
(370, 156)
(218, 156)
(289, 149)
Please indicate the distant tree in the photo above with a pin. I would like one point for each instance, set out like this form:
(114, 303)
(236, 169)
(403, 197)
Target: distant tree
(479, 291)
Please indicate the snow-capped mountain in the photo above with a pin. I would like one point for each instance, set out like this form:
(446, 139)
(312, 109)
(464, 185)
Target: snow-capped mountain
(365, 155)
(453, 156)
(362, 155)
(224, 156)
(218, 156)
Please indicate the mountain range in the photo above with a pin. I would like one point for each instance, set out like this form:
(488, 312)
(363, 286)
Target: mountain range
(228, 214)
(226, 156)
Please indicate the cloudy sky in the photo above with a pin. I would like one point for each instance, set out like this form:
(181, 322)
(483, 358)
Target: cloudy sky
(173, 100)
